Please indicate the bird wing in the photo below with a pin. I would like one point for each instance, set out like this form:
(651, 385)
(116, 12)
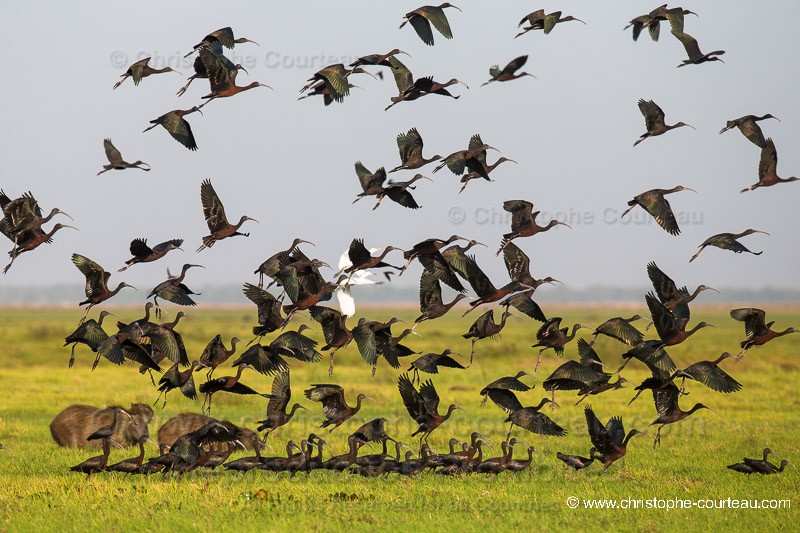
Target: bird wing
(263, 300)
(93, 334)
(363, 174)
(430, 291)
(139, 248)
(429, 395)
(180, 130)
(223, 35)
(422, 27)
(597, 432)
(621, 330)
(675, 18)
(589, 357)
(113, 155)
(754, 320)
(213, 210)
(402, 196)
(177, 243)
(280, 396)
(358, 253)
(517, 262)
(365, 341)
(436, 16)
(615, 430)
(515, 64)
(659, 208)
(550, 21)
(219, 73)
(768, 163)
(520, 213)
(504, 399)
(263, 360)
(523, 303)
(412, 400)
(335, 77)
(713, 377)
(330, 319)
(652, 113)
(456, 162)
(188, 388)
(438, 266)
(575, 371)
(666, 398)
(479, 282)
(137, 69)
(532, 18)
(96, 276)
(550, 329)
(402, 76)
(663, 320)
(241, 388)
(298, 345)
(663, 284)
(409, 144)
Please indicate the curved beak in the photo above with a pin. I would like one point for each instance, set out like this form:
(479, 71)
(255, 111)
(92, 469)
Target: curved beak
(512, 161)
(461, 82)
(244, 69)
(712, 288)
(689, 189)
(460, 408)
(370, 398)
(554, 281)
(565, 224)
(690, 124)
(148, 441)
(67, 215)
(265, 85)
(579, 20)
(758, 231)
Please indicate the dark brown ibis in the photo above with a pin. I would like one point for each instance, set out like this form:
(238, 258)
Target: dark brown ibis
(456, 257)
(115, 161)
(411, 89)
(175, 379)
(142, 253)
(459, 161)
(757, 331)
(30, 240)
(712, 376)
(423, 405)
(423, 17)
(141, 69)
(215, 353)
(222, 77)
(533, 420)
(430, 363)
(749, 127)
(728, 241)
(552, 335)
(429, 256)
(132, 465)
(308, 300)
(484, 288)
(278, 404)
(658, 207)
(269, 310)
(650, 352)
(480, 168)
(689, 43)
(668, 292)
(174, 290)
(654, 120)
(576, 461)
(539, 21)
(767, 168)
(222, 36)
(214, 213)
(509, 72)
(177, 126)
(374, 339)
(761, 466)
(371, 183)
(398, 192)
(23, 218)
(410, 146)
(225, 384)
(332, 82)
(652, 20)
(660, 379)
(89, 332)
(595, 388)
(669, 412)
(268, 359)
(96, 288)
(334, 406)
(361, 259)
(523, 221)
(485, 328)
(431, 304)
(610, 440)
(201, 72)
(334, 328)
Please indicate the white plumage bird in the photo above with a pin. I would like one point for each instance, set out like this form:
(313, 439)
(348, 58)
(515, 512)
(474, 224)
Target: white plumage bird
(347, 304)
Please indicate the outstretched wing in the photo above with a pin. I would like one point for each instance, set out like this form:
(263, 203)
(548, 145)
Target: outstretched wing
(213, 210)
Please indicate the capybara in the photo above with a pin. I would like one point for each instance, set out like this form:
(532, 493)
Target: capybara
(184, 423)
(72, 425)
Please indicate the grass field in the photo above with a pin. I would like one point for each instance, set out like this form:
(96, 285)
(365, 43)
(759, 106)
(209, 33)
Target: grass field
(39, 493)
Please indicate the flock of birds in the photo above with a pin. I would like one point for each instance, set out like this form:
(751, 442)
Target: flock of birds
(150, 343)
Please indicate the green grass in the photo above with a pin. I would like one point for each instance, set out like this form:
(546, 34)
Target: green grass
(39, 493)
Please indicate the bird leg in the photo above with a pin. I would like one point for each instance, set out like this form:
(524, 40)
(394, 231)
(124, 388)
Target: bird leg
(85, 313)
(508, 437)
(539, 361)
(72, 357)
(374, 368)
(472, 351)
(96, 361)
(627, 210)
(583, 397)
(380, 199)
(657, 440)
(330, 367)
(741, 355)
(152, 380)
(627, 360)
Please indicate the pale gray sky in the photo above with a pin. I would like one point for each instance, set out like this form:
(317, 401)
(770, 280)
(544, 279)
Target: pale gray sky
(290, 164)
